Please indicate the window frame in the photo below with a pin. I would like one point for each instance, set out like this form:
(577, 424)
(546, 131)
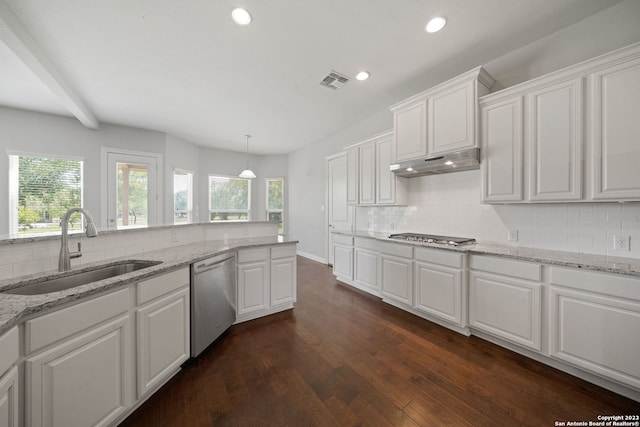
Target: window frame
(14, 183)
(189, 210)
(266, 200)
(247, 211)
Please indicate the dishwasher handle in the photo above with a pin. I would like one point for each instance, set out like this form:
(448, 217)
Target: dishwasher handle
(211, 263)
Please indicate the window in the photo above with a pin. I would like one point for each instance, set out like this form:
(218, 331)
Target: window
(229, 198)
(182, 197)
(275, 201)
(41, 189)
(130, 188)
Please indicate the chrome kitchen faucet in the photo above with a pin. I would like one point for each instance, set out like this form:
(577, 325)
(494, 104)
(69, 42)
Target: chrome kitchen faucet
(64, 261)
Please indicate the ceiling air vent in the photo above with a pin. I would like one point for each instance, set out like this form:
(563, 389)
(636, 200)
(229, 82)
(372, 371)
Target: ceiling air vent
(334, 80)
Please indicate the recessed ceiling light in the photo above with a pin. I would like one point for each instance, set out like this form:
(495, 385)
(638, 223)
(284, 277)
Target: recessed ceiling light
(436, 24)
(362, 75)
(241, 16)
(448, 163)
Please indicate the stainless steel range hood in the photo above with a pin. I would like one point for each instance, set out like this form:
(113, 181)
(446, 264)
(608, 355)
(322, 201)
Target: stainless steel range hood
(451, 162)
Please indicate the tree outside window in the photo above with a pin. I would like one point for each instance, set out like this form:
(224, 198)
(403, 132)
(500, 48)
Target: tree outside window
(275, 201)
(229, 199)
(41, 191)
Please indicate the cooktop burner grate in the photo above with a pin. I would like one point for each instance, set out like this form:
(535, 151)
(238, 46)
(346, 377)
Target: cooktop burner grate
(433, 238)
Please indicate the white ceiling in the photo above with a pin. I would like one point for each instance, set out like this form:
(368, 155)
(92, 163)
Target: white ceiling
(184, 68)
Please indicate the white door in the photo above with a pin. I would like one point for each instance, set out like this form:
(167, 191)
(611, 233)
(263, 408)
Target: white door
(132, 188)
(340, 214)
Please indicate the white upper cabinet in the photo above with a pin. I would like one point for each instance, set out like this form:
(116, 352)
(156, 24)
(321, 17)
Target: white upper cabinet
(352, 176)
(442, 119)
(410, 128)
(367, 164)
(451, 119)
(502, 136)
(369, 179)
(555, 138)
(581, 133)
(616, 131)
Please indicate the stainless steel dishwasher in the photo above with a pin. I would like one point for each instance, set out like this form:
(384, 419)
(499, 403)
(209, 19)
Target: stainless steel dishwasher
(213, 299)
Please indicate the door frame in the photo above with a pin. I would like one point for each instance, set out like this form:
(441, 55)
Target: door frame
(328, 205)
(155, 212)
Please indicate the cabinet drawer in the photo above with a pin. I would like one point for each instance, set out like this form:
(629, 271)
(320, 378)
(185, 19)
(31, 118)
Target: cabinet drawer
(365, 243)
(610, 284)
(253, 255)
(341, 239)
(436, 256)
(163, 284)
(507, 267)
(51, 327)
(404, 251)
(284, 251)
(8, 349)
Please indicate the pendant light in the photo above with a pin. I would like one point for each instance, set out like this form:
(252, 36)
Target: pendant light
(247, 173)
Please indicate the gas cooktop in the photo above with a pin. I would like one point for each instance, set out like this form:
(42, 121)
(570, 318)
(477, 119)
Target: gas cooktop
(432, 238)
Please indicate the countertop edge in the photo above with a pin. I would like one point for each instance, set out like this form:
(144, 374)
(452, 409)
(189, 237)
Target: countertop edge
(600, 263)
(15, 308)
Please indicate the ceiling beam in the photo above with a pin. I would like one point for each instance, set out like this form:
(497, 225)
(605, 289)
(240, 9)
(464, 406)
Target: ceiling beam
(18, 38)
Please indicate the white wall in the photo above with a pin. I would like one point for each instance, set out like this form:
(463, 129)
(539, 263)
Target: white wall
(612, 28)
(31, 132)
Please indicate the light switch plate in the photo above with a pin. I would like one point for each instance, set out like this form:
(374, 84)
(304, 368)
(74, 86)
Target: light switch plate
(512, 235)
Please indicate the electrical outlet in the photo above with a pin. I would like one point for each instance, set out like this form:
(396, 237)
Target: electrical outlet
(621, 243)
(512, 235)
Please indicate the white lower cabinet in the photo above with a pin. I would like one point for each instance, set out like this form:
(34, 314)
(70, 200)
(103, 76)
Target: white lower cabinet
(9, 392)
(253, 280)
(9, 383)
(593, 331)
(267, 281)
(365, 265)
(162, 326)
(343, 257)
(82, 381)
(440, 288)
(283, 275)
(396, 272)
(505, 299)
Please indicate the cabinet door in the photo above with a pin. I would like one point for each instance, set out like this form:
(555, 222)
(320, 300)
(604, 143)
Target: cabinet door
(410, 129)
(388, 188)
(452, 119)
(555, 139)
(616, 127)
(365, 271)
(163, 339)
(502, 145)
(283, 281)
(9, 399)
(439, 291)
(253, 287)
(367, 163)
(352, 176)
(343, 262)
(597, 333)
(397, 278)
(506, 307)
(84, 381)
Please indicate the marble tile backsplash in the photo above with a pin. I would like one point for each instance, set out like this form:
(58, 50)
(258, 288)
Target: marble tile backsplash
(22, 258)
(450, 204)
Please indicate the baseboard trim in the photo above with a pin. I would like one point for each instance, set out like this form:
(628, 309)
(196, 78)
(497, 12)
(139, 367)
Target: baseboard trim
(312, 257)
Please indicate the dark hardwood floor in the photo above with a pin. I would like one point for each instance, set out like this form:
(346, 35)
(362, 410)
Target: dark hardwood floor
(343, 358)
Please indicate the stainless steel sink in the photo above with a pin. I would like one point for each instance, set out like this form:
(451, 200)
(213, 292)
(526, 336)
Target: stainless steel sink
(81, 278)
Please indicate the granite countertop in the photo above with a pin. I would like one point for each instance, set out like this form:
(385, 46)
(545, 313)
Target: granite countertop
(618, 265)
(13, 308)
